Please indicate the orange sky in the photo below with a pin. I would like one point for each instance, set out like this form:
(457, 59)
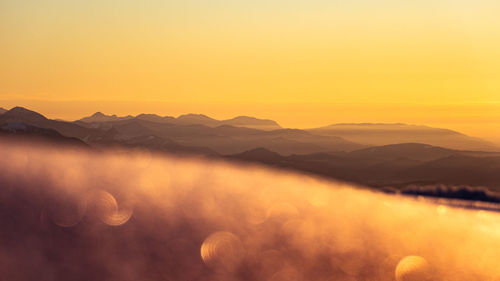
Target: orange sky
(302, 63)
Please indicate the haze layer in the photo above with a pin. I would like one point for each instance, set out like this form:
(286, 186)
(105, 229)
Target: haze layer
(114, 215)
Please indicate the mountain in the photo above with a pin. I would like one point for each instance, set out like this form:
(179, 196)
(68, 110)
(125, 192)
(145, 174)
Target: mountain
(252, 122)
(155, 143)
(414, 151)
(239, 121)
(186, 119)
(224, 137)
(375, 134)
(100, 117)
(198, 119)
(2, 110)
(20, 113)
(23, 132)
(458, 170)
(227, 139)
(129, 134)
(156, 118)
(68, 129)
(311, 151)
(131, 129)
(392, 165)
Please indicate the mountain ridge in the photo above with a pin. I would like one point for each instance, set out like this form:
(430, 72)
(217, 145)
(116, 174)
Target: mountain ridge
(377, 134)
(242, 133)
(390, 165)
(189, 118)
(223, 139)
(399, 170)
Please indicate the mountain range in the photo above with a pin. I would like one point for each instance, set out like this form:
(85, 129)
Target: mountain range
(376, 155)
(383, 134)
(396, 166)
(187, 119)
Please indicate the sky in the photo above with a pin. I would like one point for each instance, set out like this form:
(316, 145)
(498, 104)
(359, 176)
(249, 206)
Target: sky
(302, 63)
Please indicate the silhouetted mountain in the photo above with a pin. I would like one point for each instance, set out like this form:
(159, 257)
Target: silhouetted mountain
(252, 122)
(100, 117)
(129, 134)
(24, 132)
(227, 139)
(23, 115)
(414, 151)
(383, 134)
(156, 118)
(393, 165)
(131, 129)
(20, 113)
(197, 119)
(155, 143)
(188, 119)
(396, 165)
(2, 110)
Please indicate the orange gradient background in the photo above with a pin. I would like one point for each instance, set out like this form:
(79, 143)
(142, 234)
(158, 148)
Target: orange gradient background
(302, 63)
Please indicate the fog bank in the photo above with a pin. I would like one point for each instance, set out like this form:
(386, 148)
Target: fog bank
(114, 215)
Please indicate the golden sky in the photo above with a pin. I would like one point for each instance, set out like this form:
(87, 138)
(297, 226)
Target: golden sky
(303, 63)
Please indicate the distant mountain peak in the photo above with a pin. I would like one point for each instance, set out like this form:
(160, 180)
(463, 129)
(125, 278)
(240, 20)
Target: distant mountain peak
(2, 110)
(148, 114)
(385, 126)
(21, 112)
(197, 119)
(98, 114)
(101, 117)
(252, 122)
(194, 115)
(155, 118)
(190, 119)
(244, 117)
(377, 134)
(21, 109)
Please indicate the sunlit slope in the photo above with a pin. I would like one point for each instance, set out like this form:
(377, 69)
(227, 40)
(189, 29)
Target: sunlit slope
(67, 214)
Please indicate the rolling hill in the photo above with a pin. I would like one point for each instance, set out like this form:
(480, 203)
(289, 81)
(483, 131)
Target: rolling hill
(375, 134)
(392, 165)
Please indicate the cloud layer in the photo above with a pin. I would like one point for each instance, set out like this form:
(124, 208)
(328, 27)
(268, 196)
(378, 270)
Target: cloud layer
(115, 215)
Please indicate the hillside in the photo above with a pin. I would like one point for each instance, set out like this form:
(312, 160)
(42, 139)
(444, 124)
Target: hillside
(375, 134)
(393, 165)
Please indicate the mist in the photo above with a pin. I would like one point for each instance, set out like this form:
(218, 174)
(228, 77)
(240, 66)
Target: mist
(73, 214)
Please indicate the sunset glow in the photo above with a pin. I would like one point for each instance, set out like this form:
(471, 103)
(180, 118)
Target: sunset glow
(303, 64)
(238, 140)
